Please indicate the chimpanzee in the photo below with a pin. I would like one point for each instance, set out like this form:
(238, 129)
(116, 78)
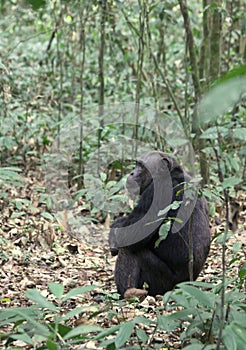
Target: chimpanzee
(165, 197)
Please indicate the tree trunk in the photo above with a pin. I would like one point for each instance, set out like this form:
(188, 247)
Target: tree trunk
(205, 47)
(199, 143)
(215, 41)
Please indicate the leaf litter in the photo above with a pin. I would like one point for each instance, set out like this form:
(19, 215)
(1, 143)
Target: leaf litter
(34, 251)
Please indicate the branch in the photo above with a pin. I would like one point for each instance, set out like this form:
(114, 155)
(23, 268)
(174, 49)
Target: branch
(191, 46)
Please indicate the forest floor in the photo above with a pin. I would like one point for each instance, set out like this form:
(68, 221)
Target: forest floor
(33, 253)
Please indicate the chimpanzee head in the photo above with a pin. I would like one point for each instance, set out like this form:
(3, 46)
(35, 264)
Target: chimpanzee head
(149, 166)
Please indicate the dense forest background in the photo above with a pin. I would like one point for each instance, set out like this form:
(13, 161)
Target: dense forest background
(85, 87)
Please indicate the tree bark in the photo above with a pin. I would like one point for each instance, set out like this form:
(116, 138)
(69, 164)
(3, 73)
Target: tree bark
(191, 47)
(199, 144)
(215, 41)
(205, 47)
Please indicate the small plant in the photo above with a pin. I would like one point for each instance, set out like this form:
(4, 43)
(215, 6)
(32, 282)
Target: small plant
(43, 325)
(200, 314)
(9, 176)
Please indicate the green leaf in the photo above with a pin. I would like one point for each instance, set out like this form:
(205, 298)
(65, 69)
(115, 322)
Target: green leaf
(163, 232)
(231, 75)
(11, 171)
(237, 246)
(223, 237)
(85, 329)
(141, 334)
(234, 162)
(103, 177)
(107, 332)
(124, 334)
(164, 229)
(39, 328)
(239, 331)
(23, 337)
(240, 134)
(108, 344)
(200, 284)
(19, 205)
(201, 296)
(14, 315)
(195, 347)
(229, 341)
(76, 291)
(36, 4)
(142, 320)
(166, 323)
(37, 297)
(74, 312)
(61, 329)
(242, 272)
(47, 216)
(225, 93)
(213, 132)
(173, 206)
(3, 67)
(230, 182)
(51, 345)
(111, 184)
(57, 289)
(17, 215)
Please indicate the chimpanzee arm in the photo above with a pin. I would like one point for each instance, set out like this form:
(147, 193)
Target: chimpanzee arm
(138, 213)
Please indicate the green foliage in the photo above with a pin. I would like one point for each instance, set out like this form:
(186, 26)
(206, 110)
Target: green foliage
(10, 176)
(41, 78)
(163, 232)
(193, 307)
(225, 135)
(36, 4)
(43, 325)
(201, 311)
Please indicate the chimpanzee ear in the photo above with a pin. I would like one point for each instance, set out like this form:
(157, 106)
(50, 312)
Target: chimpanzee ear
(175, 169)
(168, 160)
(171, 162)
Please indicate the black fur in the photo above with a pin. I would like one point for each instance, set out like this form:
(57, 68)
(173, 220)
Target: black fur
(159, 180)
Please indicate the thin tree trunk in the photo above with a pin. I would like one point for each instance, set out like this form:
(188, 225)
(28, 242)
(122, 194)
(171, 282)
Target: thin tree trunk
(101, 53)
(223, 258)
(82, 68)
(142, 14)
(205, 48)
(215, 42)
(242, 46)
(61, 77)
(191, 47)
(199, 144)
(101, 74)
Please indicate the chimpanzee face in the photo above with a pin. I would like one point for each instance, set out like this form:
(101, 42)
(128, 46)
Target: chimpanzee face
(138, 180)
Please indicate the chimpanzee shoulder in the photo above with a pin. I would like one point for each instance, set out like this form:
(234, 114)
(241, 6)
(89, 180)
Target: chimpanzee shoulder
(160, 181)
